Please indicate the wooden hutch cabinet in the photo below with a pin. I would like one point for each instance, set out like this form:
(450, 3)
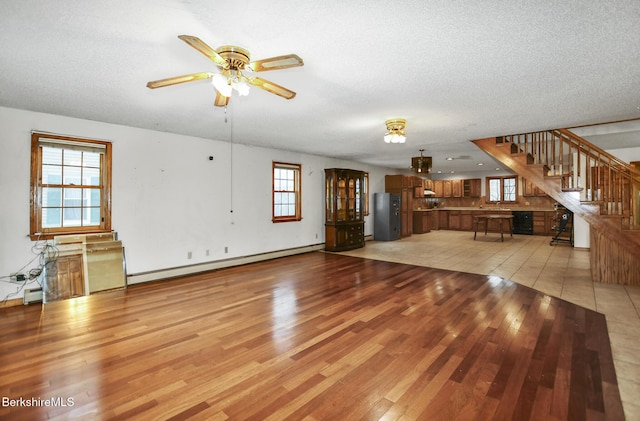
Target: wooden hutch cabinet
(344, 212)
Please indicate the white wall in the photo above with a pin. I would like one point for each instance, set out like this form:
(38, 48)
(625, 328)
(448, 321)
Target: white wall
(169, 199)
(626, 154)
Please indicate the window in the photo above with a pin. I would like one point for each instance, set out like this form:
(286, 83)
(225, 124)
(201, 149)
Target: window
(287, 192)
(502, 189)
(70, 186)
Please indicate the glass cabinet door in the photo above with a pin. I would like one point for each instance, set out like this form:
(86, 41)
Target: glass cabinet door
(329, 199)
(341, 199)
(352, 199)
(358, 201)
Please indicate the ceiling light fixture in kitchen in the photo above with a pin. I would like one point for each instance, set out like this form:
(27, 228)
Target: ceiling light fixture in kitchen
(421, 164)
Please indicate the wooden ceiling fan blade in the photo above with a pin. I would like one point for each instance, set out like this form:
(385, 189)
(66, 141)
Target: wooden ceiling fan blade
(275, 63)
(272, 87)
(221, 100)
(178, 79)
(202, 46)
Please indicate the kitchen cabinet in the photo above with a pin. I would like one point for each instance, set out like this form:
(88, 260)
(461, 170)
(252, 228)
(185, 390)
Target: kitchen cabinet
(427, 184)
(539, 223)
(344, 209)
(472, 187)
(443, 219)
(461, 220)
(435, 219)
(438, 188)
(421, 222)
(454, 220)
(466, 220)
(403, 185)
(446, 187)
(456, 188)
(406, 213)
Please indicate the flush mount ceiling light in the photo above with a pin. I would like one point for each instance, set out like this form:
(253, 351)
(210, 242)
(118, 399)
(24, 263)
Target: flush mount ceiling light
(395, 131)
(421, 164)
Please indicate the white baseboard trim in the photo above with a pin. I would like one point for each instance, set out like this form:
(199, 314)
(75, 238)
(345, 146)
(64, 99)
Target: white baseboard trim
(156, 275)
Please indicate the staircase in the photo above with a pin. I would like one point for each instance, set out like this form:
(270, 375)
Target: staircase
(590, 182)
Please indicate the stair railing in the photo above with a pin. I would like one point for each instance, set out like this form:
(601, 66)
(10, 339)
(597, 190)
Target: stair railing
(599, 177)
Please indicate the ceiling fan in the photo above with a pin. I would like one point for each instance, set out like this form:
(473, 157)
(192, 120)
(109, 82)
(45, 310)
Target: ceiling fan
(232, 63)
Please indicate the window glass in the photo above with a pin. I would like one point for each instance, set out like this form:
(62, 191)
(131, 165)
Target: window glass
(502, 189)
(494, 190)
(509, 190)
(286, 192)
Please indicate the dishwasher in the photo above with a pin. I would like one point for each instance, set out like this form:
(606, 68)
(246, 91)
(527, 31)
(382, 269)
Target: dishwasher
(523, 222)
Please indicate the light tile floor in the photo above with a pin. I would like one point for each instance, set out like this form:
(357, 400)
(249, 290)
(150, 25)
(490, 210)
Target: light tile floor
(559, 270)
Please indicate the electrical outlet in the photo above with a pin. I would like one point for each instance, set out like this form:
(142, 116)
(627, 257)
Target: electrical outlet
(207, 252)
(226, 249)
(189, 255)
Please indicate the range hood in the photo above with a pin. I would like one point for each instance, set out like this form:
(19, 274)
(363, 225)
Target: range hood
(429, 192)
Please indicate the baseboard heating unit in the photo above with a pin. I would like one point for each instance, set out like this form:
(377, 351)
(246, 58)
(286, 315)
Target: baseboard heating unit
(32, 296)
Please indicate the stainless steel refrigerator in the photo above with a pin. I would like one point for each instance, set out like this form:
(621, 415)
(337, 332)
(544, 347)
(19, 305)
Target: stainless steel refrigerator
(386, 217)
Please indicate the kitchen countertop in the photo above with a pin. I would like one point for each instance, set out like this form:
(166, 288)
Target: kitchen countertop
(488, 209)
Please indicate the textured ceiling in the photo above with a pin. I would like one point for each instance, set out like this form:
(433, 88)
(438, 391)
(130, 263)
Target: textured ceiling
(456, 70)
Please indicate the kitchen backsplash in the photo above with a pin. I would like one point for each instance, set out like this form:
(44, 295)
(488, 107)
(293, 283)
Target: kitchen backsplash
(537, 202)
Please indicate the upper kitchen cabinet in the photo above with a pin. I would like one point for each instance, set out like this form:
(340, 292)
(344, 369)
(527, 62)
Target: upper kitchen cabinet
(472, 187)
(458, 188)
(344, 209)
(438, 188)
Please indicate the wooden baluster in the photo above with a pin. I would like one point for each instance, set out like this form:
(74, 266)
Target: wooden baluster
(550, 149)
(559, 155)
(587, 173)
(569, 170)
(576, 180)
(553, 154)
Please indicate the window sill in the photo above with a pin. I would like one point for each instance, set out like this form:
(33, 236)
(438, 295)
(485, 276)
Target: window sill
(51, 235)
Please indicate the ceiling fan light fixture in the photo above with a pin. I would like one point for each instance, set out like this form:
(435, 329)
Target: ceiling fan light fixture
(221, 83)
(395, 131)
(242, 87)
(231, 62)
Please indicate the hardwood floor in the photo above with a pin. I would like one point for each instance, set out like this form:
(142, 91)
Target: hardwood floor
(314, 336)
